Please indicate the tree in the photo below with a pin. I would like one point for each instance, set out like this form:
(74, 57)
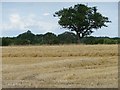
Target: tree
(39, 39)
(50, 38)
(81, 19)
(27, 37)
(67, 38)
(6, 41)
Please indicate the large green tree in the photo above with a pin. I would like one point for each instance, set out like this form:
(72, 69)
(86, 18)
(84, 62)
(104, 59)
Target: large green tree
(81, 19)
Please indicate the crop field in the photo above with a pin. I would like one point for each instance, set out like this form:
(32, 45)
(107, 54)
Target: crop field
(60, 66)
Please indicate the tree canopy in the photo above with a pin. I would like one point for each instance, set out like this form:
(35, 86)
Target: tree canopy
(81, 19)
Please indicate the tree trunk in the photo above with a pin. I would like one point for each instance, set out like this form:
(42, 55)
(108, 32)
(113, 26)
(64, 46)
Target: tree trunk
(78, 37)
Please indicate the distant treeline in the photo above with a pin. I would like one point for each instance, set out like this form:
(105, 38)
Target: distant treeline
(28, 38)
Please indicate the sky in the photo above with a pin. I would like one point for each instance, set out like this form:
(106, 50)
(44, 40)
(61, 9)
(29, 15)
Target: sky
(18, 17)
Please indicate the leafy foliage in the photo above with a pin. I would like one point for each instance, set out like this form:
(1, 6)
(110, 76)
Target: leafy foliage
(27, 37)
(67, 38)
(50, 38)
(81, 19)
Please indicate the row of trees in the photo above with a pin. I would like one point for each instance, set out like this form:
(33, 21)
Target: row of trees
(28, 38)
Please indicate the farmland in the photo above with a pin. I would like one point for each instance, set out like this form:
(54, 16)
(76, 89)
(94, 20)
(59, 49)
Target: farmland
(60, 66)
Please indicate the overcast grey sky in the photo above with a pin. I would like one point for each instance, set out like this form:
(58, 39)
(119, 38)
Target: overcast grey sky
(18, 17)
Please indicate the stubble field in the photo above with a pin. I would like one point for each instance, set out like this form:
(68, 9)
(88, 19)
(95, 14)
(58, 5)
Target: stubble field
(60, 66)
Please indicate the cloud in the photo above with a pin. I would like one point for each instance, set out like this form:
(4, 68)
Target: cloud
(31, 21)
(15, 18)
(46, 26)
(46, 14)
(14, 22)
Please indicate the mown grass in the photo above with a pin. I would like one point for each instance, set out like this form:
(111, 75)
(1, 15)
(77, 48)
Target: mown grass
(60, 51)
(60, 66)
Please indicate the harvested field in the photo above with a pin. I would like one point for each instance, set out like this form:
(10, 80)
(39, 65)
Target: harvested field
(60, 66)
